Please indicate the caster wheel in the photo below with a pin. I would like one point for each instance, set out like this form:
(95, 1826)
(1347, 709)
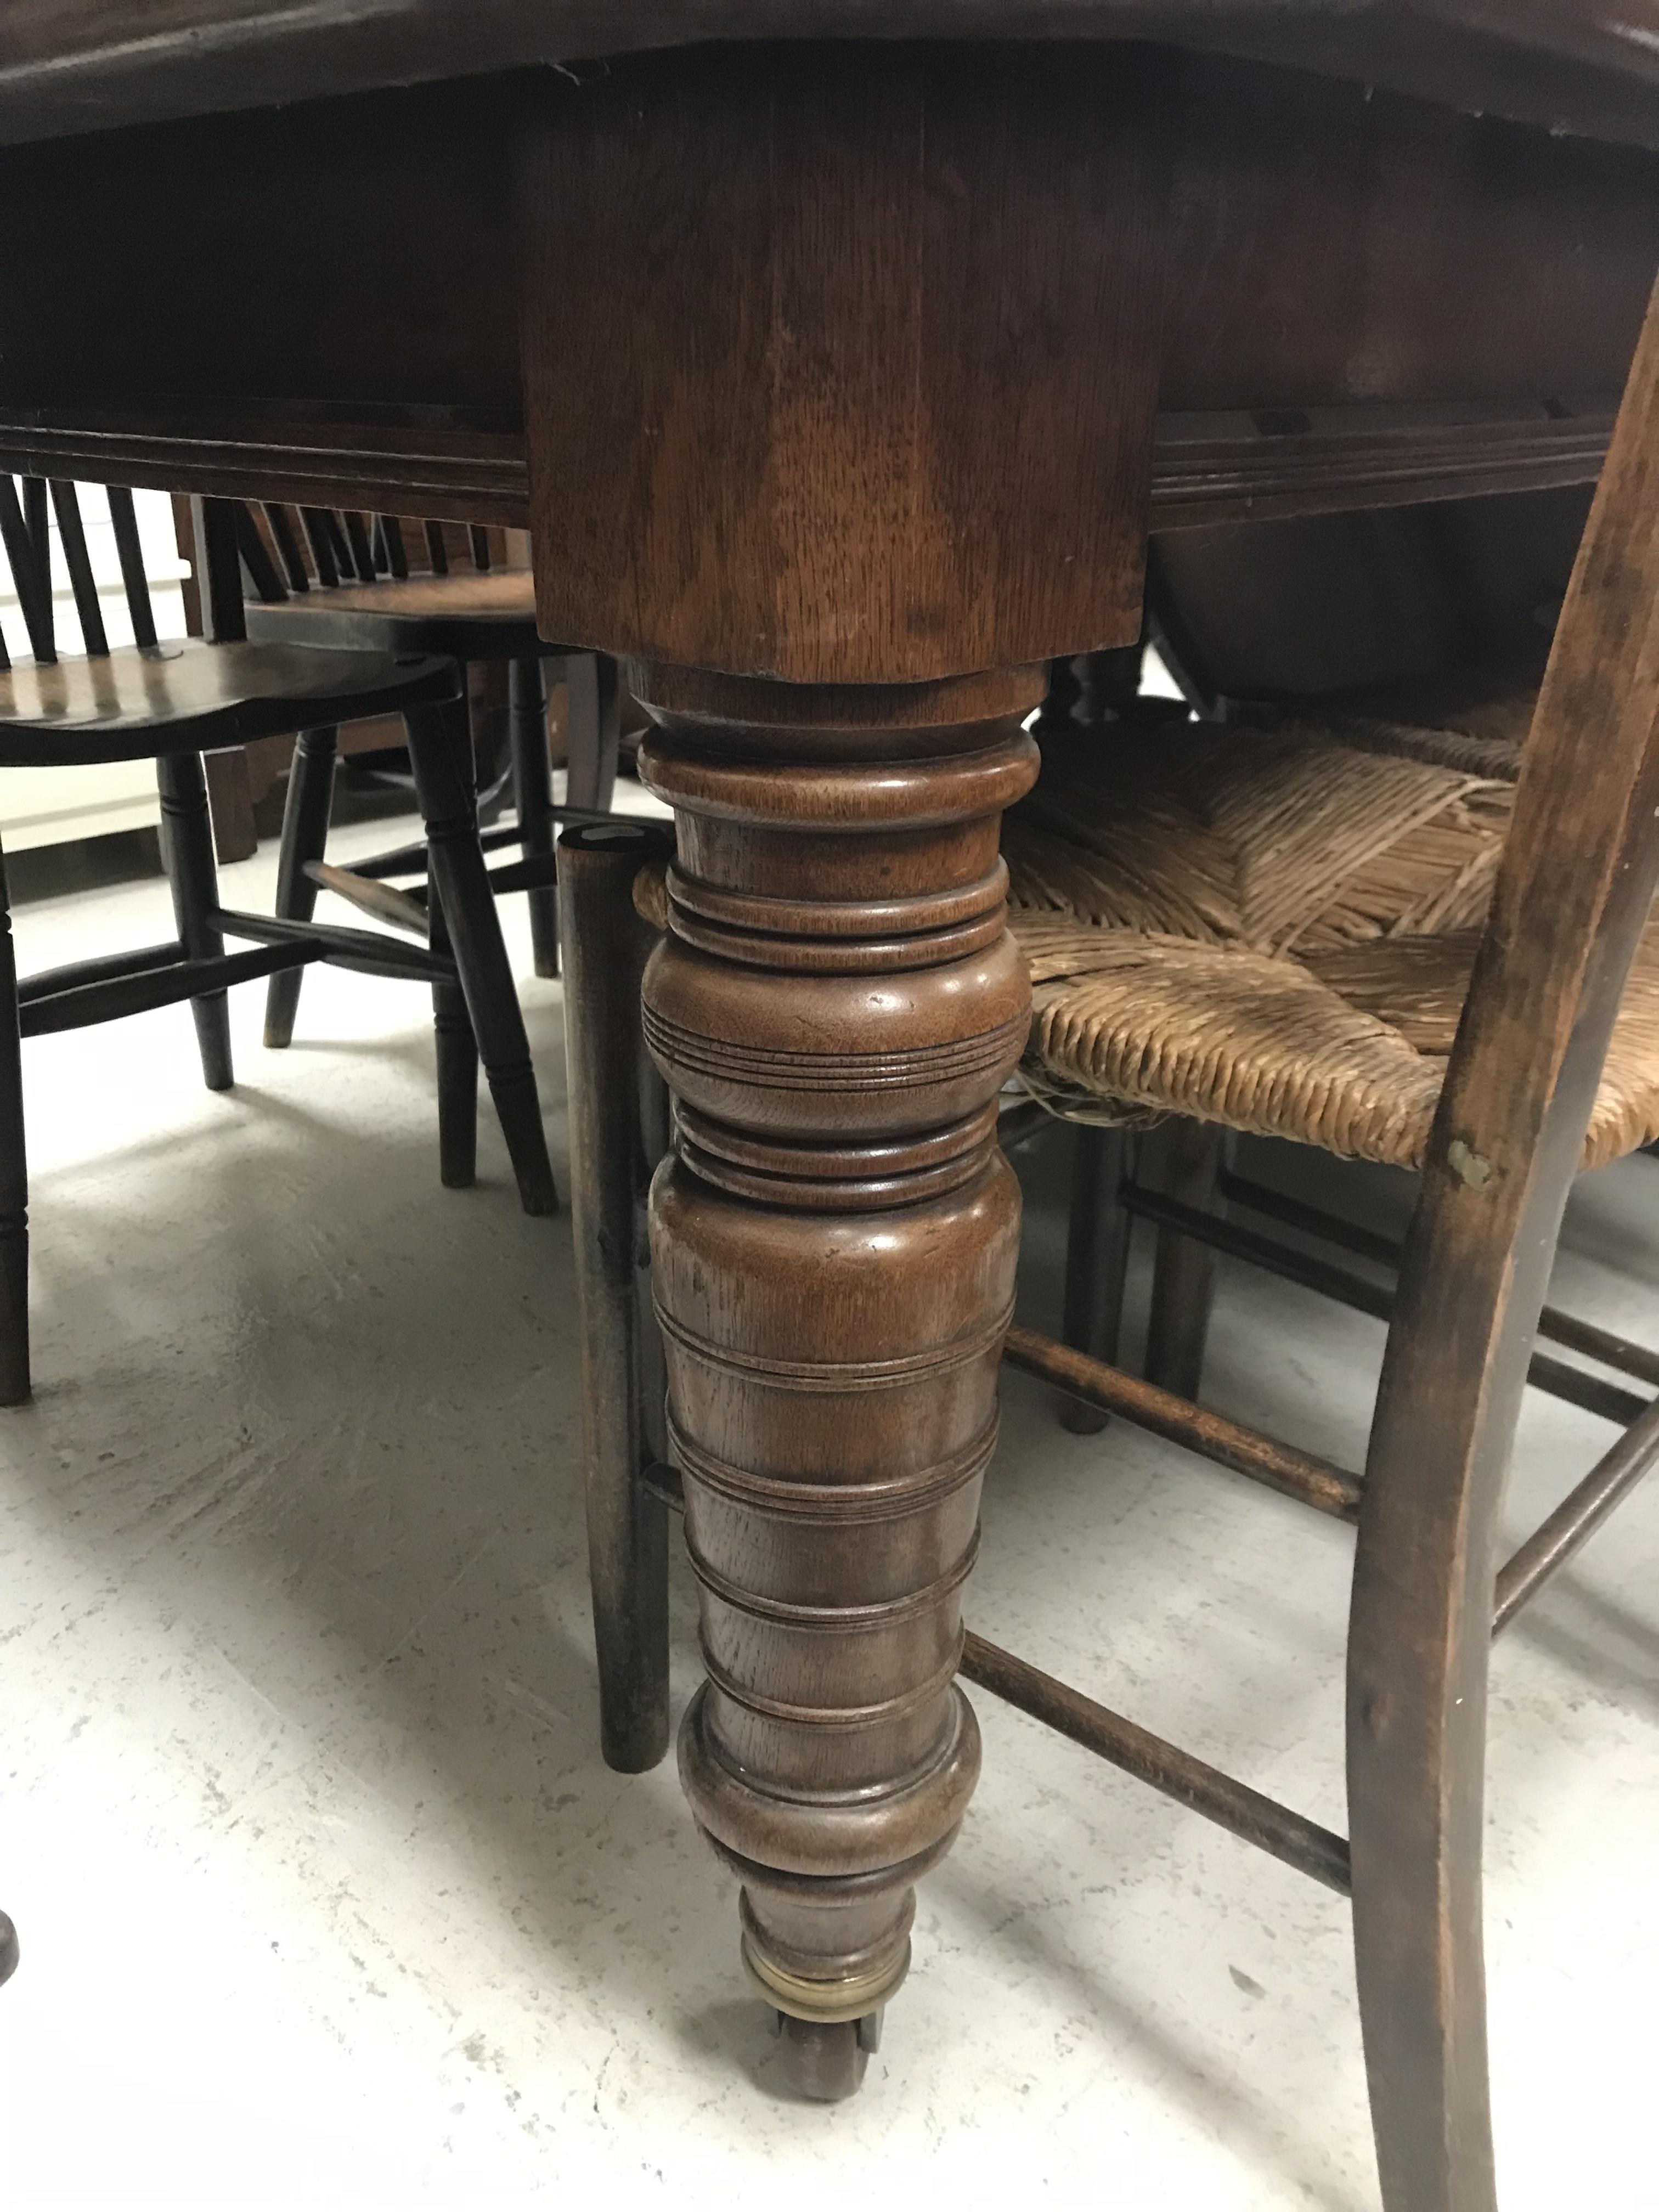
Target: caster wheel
(9, 1951)
(825, 2060)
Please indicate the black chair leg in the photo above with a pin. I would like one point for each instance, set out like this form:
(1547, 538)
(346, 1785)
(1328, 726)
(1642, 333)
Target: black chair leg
(187, 848)
(1096, 1259)
(1183, 1270)
(439, 751)
(305, 837)
(593, 729)
(14, 1180)
(458, 1066)
(532, 793)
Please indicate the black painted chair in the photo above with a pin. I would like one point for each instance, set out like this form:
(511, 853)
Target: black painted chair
(328, 578)
(171, 701)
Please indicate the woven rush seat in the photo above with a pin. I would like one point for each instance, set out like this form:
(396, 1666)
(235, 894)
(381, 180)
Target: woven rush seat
(1272, 925)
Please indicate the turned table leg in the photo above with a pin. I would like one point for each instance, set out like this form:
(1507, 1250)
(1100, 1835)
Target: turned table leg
(834, 1238)
(840, 374)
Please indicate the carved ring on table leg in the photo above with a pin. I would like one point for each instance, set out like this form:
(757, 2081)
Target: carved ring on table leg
(836, 1006)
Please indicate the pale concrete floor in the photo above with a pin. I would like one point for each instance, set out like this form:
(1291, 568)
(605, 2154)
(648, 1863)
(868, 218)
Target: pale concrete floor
(325, 1894)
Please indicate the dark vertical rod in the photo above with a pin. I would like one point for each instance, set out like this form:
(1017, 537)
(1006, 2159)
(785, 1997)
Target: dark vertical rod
(437, 552)
(1184, 1270)
(594, 728)
(440, 753)
(287, 545)
(1096, 1259)
(456, 1052)
(72, 532)
(396, 555)
(479, 541)
(314, 521)
(532, 792)
(14, 1178)
(338, 543)
(305, 837)
(33, 601)
(656, 1135)
(187, 848)
(605, 947)
(218, 569)
(39, 536)
(259, 567)
(129, 552)
(363, 553)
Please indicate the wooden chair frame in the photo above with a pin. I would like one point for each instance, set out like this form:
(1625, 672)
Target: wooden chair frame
(295, 563)
(476, 1009)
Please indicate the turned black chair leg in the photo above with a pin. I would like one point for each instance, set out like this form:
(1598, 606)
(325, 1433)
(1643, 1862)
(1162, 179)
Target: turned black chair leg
(439, 751)
(187, 848)
(532, 792)
(1096, 1259)
(305, 837)
(457, 1053)
(1190, 1162)
(593, 729)
(14, 1180)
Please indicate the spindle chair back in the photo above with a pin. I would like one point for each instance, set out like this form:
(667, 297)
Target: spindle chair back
(170, 699)
(343, 577)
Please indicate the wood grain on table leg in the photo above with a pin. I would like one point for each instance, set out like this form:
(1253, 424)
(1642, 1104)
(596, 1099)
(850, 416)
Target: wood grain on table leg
(835, 1009)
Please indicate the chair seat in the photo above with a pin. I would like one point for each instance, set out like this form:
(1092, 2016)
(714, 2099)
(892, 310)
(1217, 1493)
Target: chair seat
(1272, 926)
(466, 616)
(189, 695)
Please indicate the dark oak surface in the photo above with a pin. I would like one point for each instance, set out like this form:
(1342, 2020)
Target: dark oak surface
(80, 65)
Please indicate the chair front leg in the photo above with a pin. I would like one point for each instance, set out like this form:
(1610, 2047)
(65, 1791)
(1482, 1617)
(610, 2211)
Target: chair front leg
(1096, 1259)
(1191, 1156)
(533, 794)
(615, 1146)
(455, 1051)
(305, 838)
(439, 749)
(187, 848)
(14, 1385)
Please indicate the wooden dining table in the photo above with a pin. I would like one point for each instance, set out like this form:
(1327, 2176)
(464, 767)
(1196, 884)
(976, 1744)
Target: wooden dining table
(841, 362)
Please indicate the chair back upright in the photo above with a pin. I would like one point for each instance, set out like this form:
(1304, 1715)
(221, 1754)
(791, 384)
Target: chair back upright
(25, 533)
(286, 552)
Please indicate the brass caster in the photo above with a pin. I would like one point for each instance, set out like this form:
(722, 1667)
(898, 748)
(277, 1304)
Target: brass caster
(9, 1953)
(825, 2060)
